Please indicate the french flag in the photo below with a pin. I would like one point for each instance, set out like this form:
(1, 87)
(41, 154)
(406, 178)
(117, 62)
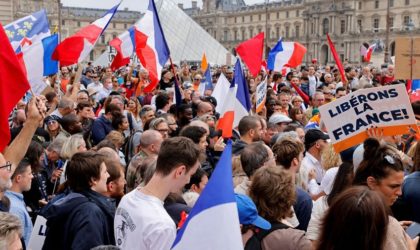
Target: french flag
(213, 222)
(289, 54)
(368, 53)
(237, 103)
(125, 46)
(76, 48)
(155, 53)
(31, 39)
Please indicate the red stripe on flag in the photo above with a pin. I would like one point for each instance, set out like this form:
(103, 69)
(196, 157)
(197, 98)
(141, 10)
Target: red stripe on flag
(68, 51)
(226, 124)
(147, 58)
(13, 85)
(251, 52)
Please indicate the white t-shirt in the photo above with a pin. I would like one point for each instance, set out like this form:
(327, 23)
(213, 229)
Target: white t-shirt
(141, 222)
(308, 163)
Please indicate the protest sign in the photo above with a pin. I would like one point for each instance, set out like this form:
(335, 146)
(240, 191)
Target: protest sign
(348, 118)
(261, 96)
(407, 58)
(38, 233)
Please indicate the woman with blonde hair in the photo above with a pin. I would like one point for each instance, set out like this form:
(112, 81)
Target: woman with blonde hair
(118, 140)
(273, 192)
(134, 107)
(74, 144)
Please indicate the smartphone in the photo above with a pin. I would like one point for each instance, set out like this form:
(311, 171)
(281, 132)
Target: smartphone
(413, 230)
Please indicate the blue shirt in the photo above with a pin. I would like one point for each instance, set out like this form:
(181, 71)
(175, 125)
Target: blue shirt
(18, 208)
(411, 194)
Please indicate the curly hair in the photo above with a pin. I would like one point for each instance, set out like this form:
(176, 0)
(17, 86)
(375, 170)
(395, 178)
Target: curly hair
(273, 192)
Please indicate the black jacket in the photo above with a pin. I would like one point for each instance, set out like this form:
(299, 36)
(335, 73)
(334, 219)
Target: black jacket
(80, 221)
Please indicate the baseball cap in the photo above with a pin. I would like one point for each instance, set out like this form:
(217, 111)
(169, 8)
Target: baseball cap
(248, 214)
(313, 135)
(278, 118)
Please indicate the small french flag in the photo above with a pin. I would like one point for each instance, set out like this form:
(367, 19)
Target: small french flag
(76, 48)
(285, 54)
(213, 222)
(237, 103)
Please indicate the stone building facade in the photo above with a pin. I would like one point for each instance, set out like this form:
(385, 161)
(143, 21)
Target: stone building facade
(72, 19)
(350, 23)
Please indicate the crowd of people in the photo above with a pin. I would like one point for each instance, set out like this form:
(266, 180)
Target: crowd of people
(107, 164)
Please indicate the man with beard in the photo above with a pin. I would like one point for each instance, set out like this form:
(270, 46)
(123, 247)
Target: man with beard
(70, 125)
(184, 115)
(250, 130)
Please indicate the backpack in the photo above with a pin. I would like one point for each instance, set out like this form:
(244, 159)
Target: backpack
(254, 243)
(128, 146)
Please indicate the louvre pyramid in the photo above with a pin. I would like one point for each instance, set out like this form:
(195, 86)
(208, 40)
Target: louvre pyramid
(186, 39)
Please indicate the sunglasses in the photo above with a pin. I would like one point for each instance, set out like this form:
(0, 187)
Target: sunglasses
(51, 122)
(8, 166)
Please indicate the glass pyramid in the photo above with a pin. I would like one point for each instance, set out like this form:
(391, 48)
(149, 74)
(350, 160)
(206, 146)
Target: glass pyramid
(186, 39)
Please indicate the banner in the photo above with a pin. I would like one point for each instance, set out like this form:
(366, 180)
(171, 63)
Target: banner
(38, 233)
(261, 96)
(348, 118)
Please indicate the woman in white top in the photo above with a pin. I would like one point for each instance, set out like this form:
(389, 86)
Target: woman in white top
(341, 182)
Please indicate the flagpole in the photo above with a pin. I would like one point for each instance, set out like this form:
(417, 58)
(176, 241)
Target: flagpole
(59, 19)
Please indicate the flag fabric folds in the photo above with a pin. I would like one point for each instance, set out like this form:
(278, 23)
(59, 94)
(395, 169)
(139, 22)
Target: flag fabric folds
(368, 54)
(242, 100)
(31, 39)
(251, 52)
(285, 54)
(13, 85)
(213, 222)
(125, 46)
(219, 92)
(155, 53)
(77, 47)
(337, 59)
(236, 105)
(28, 29)
(38, 62)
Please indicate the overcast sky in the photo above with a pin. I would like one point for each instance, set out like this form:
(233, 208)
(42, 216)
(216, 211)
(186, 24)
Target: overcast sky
(131, 4)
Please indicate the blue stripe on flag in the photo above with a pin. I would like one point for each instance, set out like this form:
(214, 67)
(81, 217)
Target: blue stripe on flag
(160, 42)
(242, 94)
(272, 54)
(219, 190)
(415, 84)
(49, 44)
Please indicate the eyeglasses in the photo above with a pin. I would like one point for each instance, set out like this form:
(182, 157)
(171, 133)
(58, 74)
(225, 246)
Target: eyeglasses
(8, 166)
(163, 130)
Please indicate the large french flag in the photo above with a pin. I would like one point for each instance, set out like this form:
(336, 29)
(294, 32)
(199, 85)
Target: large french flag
(237, 103)
(76, 48)
(213, 222)
(285, 54)
(31, 39)
(155, 53)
